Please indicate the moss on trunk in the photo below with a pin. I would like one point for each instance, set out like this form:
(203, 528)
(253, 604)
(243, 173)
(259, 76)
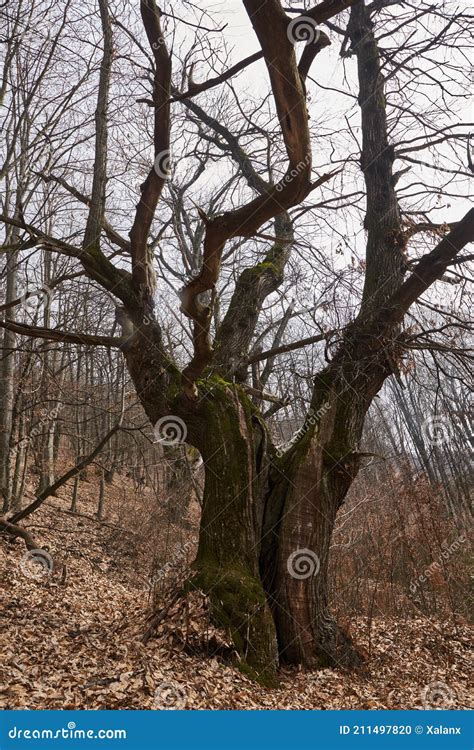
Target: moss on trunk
(227, 561)
(239, 606)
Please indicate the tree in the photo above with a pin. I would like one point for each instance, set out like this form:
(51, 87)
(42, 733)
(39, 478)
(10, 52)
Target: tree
(268, 514)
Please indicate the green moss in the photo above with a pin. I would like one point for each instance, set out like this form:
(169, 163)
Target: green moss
(214, 380)
(226, 563)
(273, 263)
(238, 605)
(263, 266)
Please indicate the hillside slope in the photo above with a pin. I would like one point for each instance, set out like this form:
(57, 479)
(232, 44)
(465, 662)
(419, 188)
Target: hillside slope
(72, 638)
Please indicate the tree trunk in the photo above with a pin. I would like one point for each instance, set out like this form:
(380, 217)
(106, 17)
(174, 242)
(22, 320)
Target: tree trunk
(307, 633)
(310, 482)
(101, 504)
(75, 493)
(266, 517)
(178, 491)
(231, 437)
(234, 451)
(7, 381)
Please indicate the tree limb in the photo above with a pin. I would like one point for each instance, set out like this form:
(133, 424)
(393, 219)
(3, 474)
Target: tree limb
(13, 531)
(151, 189)
(69, 338)
(288, 347)
(271, 26)
(429, 269)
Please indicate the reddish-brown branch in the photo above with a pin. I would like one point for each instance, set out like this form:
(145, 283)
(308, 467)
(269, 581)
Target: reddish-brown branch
(244, 222)
(151, 189)
(319, 14)
(271, 27)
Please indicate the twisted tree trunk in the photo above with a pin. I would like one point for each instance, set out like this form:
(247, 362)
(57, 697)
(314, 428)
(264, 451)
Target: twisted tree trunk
(267, 517)
(261, 512)
(310, 483)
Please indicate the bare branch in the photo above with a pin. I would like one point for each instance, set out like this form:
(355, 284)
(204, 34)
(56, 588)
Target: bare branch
(143, 275)
(65, 336)
(289, 347)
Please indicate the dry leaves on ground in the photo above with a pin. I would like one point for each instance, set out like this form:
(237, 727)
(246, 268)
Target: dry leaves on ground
(72, 640)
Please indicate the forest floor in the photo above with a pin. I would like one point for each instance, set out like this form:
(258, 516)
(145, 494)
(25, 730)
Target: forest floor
(71, 638)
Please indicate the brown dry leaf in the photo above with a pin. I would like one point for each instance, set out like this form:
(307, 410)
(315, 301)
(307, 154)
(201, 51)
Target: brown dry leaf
(78, 645)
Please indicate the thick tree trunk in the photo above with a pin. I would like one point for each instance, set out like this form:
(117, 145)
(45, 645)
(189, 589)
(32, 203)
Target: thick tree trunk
(265, 517)
(224, 426)
(307, 633)
(234, 449)
(309, 485)
(267, 524)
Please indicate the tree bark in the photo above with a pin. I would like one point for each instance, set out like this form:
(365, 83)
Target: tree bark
(7, 386)
(309, 484)
(233, 445)
(268, 518)
(260, 509)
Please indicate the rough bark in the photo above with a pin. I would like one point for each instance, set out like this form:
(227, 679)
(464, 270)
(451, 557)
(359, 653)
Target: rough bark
(385, 261)
(253, 287)
(234, 450)
(309, 484)
(95, 216)
(228, 431)
(260, 510)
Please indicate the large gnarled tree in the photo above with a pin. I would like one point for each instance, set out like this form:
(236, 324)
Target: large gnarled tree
(266, 513)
